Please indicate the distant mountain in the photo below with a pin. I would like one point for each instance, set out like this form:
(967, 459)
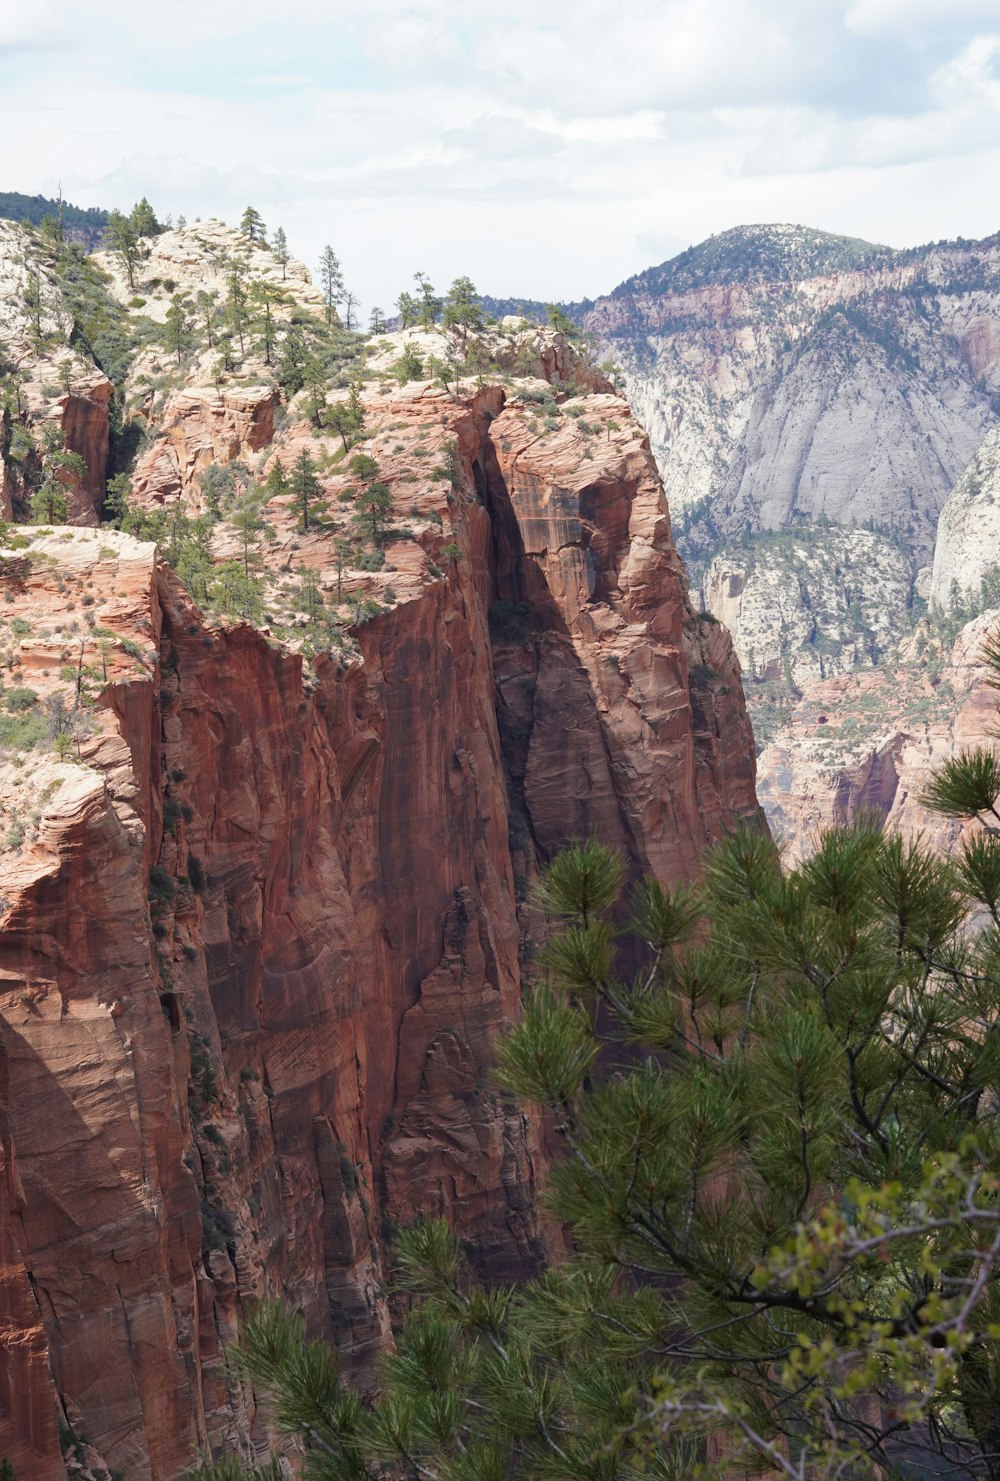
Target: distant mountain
(80, 223)
(534, 308)
(760, 254)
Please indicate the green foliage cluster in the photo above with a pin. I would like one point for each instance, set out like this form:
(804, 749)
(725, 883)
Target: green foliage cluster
(34, 209)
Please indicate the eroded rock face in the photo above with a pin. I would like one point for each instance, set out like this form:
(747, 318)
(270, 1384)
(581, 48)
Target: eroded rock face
(812, 602)
(200, 426)
(263, 923)
(785, 374)
(869, 741)
(967, 549)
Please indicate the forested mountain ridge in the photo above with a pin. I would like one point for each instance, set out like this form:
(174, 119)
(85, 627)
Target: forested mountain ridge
(81, 223)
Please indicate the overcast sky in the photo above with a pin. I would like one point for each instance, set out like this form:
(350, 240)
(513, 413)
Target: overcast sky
(546, 149)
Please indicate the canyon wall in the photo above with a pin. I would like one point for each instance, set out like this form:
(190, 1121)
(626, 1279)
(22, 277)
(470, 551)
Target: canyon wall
(268, 907)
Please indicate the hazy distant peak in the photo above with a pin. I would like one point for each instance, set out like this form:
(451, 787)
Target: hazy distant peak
(776, 252)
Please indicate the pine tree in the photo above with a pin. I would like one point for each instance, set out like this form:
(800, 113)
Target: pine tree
(142, 219)
(373, 503)
(263, 298)
(343, 555)
(250, 526)
(237, 311)
(428, 305)
(348, 417)
(293, 362)
(177, 329)
(305, 488)
(276, 482)
(280, 250)
(252, 226)
(32, 299)
(123, 239)
(207, 306)
(376, 322)
(408, 310)
(332, 280)
(462, 310)
(235, 592)
(777, 1094)
(48, 504)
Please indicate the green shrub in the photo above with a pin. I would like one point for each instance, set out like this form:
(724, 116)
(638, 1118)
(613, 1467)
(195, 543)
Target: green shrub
(20, 698)
(23, 732)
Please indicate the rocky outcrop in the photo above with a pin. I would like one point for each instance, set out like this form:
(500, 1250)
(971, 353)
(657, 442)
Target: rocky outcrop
(811, 602)
(198, 426)
(194, 262)
(869, 741)
(52, 382)
(868, 420)
(266, 917)
(967, 549)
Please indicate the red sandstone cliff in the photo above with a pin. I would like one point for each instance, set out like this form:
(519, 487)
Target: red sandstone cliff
(263, 924)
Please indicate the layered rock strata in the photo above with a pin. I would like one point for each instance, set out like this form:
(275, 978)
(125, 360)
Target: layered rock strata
(266, 913)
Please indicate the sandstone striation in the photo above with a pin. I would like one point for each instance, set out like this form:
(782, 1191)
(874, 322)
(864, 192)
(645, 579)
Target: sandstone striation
(267, 910)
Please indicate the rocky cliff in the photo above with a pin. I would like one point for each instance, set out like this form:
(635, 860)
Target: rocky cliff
(266, 885)
(791, 379)
(967, 549)
(868, 741)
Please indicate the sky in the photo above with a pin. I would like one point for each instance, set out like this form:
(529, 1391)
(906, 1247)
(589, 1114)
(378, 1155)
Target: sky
(547, 150)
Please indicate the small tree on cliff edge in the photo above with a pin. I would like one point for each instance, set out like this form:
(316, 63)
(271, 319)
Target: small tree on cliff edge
(781, 1178)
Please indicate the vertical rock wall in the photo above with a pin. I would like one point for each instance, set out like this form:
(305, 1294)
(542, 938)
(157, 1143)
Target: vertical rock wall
(257, 954)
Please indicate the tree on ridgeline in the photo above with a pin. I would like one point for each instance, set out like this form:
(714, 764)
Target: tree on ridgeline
(351, 302)
(123, 239)
(142, 219)
(462, 310)
(428, 304)
(280, 249)
(332, 281)
(408, 310)
(376, 322)
(253, 228)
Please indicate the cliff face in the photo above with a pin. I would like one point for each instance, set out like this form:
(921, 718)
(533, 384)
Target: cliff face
(827, 392)
(967, 549)
(813, 602)
(784, 373)
(266, 917)
(868, 741)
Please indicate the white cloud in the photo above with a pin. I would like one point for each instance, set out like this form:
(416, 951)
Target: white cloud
(546, 149)
(908, 18)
